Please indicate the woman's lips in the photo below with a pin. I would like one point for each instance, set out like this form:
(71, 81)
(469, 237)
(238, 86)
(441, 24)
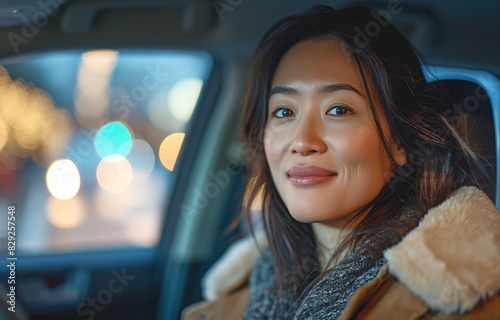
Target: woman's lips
(310, 175)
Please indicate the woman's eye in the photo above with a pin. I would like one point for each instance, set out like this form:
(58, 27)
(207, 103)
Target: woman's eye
(283, 113)
(338, 111)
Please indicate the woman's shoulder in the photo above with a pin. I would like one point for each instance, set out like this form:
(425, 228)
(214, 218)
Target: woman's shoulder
(228, 306)
(451, 259)
(446, 268)
(225, 286)
(233, 269)
(387, 298)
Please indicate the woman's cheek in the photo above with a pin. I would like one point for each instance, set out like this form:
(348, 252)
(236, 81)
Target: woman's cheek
(349, 146)
(358, 148)
(270, 147)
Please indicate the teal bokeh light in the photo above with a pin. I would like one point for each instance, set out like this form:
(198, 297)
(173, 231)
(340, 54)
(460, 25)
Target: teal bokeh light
(113, 138)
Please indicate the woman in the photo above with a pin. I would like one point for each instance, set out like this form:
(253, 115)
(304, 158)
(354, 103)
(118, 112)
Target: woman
(368, 197)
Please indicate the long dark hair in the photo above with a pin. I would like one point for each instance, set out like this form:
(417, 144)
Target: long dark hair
(438, 161)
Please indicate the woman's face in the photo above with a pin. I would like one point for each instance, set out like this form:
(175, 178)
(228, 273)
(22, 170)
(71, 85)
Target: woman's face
(321, 142)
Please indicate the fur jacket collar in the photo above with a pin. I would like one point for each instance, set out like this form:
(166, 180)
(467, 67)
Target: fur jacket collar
(451, 260)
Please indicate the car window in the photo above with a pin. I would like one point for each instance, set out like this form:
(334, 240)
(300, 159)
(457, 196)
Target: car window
(89, 143)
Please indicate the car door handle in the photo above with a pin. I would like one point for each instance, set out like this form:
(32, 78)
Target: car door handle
(51, 292)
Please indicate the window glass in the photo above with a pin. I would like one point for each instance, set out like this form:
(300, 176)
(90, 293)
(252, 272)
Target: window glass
(89, 143)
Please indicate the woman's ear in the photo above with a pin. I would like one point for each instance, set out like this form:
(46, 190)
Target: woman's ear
(399, 155)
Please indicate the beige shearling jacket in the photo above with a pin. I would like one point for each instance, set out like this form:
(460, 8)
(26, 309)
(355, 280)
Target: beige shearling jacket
(447, 268)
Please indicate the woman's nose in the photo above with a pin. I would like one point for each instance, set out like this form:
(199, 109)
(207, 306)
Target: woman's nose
(308, 139)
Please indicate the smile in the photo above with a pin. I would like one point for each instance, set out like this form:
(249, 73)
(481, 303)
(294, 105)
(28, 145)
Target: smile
(309, 176)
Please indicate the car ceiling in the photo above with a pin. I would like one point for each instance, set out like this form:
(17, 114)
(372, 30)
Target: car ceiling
(453, 33)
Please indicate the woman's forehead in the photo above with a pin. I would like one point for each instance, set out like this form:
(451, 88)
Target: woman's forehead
(316, 63)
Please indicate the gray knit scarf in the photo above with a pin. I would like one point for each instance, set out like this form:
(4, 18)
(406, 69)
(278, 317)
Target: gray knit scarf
(328, 297)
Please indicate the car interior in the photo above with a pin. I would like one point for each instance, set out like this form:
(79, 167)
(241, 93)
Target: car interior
(122, 167)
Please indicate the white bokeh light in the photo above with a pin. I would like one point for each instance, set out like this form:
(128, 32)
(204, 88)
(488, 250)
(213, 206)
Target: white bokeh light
(183, 97)
(63, 179)
(141, 157)
(158, 112)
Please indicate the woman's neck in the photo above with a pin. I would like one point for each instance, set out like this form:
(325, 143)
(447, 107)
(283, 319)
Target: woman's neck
(329, 236)
(328, 239)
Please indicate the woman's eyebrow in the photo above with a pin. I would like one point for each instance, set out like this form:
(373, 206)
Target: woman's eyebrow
(339, 86)
(326, 89)
(284, 90)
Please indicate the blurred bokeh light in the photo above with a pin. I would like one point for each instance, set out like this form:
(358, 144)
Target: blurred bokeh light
(113, 138)
(3, 134)
(159, 113)
(183, 97)
(65, 214)
(92, 92)
(31, 126)
(63, 179)
(170, 148)
(114, 173)
(141, 157)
